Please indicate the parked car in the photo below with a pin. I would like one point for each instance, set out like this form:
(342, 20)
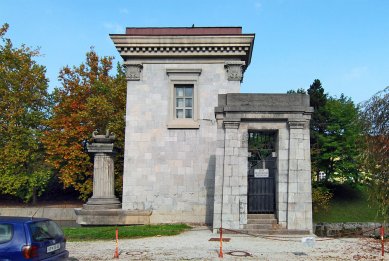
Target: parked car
(26, 238)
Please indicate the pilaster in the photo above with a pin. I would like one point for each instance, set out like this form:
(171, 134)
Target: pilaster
(299, 214)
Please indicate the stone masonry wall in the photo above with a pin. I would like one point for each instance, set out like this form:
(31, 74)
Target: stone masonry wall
(287, 115)
(171, 171)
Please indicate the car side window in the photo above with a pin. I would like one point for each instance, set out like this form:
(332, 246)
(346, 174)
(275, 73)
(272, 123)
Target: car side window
(6, 232)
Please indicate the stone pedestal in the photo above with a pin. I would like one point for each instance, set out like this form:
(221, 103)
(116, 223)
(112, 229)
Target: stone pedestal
(103, 208)
(112, 217)
(103, 178)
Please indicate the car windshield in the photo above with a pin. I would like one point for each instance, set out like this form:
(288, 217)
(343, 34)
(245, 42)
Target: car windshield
(44, 230)
(5, 233)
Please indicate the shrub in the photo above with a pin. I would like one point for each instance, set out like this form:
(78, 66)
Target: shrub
(321, 197)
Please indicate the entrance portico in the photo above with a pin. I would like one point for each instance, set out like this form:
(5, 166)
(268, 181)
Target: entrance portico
(284, 118)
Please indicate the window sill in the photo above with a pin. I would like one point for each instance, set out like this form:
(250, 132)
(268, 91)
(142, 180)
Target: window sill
(183, 124)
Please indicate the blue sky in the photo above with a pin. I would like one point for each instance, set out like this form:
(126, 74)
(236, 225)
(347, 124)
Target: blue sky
(344, 43)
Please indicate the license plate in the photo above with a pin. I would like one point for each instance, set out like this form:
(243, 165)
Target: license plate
(53, 247)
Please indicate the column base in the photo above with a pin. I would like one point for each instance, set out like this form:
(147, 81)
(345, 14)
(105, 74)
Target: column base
(102, 203)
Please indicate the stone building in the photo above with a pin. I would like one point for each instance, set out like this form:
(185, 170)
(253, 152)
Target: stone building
(191, 147)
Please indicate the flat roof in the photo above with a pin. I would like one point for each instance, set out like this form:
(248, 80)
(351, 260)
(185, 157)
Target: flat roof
(183, 31)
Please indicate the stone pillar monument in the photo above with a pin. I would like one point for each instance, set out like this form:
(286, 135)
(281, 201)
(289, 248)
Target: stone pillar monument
(103, 173)
(103, 208)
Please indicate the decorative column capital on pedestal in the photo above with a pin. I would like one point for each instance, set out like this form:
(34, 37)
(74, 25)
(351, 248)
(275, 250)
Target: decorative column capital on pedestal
(133, 71)
(234, 70)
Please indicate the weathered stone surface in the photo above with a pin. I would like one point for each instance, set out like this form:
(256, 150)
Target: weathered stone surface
(112, 217)
(348, 229)
(55, 213)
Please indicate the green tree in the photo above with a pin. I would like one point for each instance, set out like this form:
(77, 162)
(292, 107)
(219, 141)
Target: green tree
(375, 116)
(339, 143)
(318, 99)
(90, 99)
(299, 90)
(24, 106)
(335, 130)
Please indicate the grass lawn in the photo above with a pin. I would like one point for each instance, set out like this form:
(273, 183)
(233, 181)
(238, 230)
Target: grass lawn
(348, 205)
(108, 232)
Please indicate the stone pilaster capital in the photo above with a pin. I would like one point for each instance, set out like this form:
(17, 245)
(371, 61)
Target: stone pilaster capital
(297, 124)
(234, 70)
(231, 124)
(133, 71)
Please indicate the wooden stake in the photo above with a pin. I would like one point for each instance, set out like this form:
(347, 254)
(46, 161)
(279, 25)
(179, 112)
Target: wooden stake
(116, 255)
(221, 243)
(382, 241)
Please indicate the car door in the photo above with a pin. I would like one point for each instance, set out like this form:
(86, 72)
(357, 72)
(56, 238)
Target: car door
(12, 239)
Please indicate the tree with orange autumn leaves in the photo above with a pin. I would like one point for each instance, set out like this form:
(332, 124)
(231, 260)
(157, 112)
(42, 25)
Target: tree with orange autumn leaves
(89, 99)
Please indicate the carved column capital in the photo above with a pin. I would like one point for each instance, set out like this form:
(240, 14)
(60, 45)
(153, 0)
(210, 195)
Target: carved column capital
(133, 71)
(295, 124)
(234, 70)
(231, 124)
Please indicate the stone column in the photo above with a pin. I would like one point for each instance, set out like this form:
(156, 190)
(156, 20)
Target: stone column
(103, 174)
(299, 215)
(227, 200)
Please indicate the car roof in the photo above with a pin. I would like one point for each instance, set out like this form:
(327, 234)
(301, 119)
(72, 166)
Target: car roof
(12, 219)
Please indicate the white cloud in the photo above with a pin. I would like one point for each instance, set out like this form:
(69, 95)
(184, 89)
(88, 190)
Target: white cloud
(114, 28)
(257, 5)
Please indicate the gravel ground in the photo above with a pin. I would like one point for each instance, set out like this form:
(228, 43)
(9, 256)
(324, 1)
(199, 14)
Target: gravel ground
(195, 245)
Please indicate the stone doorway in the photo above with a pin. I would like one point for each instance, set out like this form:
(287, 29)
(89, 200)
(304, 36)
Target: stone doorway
(279, 123)
(262, 170)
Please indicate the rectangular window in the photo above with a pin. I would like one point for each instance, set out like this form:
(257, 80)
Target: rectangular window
(183, 101)
(183, 98)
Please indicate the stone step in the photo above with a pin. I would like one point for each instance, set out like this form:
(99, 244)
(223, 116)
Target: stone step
(258, 226)
(274, 232)
(258, 231)
(261, 221)
(260, 216)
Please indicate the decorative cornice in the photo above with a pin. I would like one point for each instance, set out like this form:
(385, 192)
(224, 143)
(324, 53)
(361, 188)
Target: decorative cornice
(217, 46)
(234, 70)
(133, 71)
(231, 124)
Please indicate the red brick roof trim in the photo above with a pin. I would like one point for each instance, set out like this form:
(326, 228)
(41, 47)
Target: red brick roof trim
(184, 31)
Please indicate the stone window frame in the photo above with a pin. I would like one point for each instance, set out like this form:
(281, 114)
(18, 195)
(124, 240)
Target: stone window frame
(185, 97)
(183, 77)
